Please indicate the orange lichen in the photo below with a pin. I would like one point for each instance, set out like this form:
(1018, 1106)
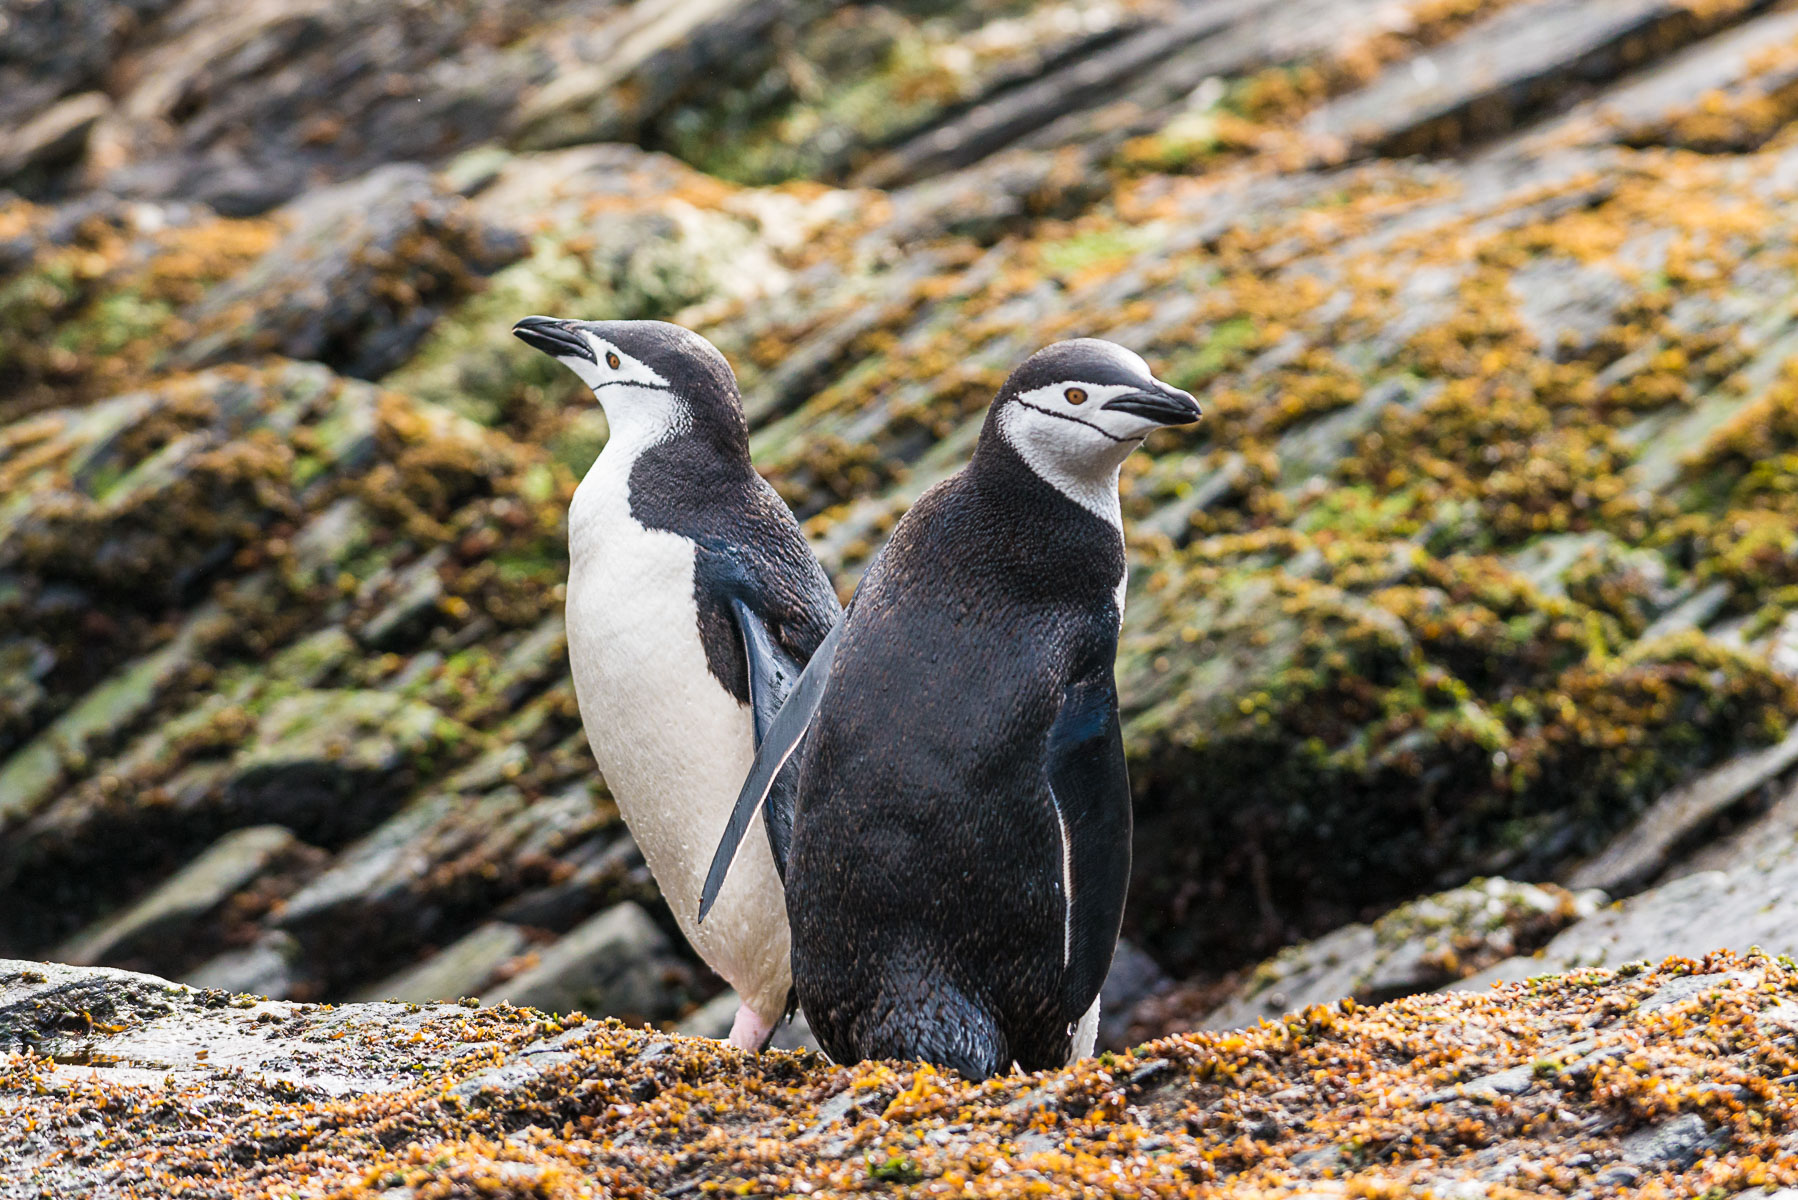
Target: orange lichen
(1539, 1084)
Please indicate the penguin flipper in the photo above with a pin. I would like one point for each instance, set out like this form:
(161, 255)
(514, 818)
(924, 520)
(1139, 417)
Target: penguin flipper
(772, 671)
(782, 738)
(1091, 786)
(772, 674)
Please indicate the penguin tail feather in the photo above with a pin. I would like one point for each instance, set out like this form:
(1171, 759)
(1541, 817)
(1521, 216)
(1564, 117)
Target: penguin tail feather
(949, 1031)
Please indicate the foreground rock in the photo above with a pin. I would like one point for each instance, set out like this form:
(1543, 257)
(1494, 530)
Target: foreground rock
(1416, 947)
(1753, 903)
(1481, 565)
(1676, 1079)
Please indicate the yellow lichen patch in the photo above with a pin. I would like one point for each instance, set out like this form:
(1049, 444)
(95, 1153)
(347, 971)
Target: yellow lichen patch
(1754, 111)
(1761, 429)
(1549, 1084)
(95, 316)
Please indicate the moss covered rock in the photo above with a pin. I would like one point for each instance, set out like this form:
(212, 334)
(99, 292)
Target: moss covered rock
(1676, 1079)
(1483, 548)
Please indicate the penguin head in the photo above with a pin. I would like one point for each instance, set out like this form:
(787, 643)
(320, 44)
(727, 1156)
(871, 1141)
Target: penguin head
(1075, 410)
(650, 377)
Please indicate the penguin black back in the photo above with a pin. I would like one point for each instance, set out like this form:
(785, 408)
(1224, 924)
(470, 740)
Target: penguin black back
(955, 663)
(961, 843)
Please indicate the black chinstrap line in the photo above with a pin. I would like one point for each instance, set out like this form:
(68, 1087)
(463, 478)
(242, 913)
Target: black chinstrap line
(649, 387)
(1049, 412)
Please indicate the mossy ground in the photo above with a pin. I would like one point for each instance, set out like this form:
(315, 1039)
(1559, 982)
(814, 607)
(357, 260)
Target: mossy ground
(1671, 1081)
(90, 316)
(1409, 606)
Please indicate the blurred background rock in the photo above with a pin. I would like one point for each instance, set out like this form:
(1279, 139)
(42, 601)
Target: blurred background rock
(1465, 627)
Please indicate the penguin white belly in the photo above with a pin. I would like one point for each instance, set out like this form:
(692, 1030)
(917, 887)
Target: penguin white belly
(673, 744)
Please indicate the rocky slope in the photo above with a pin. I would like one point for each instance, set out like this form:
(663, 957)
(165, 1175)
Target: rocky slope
(1669, 1081)
(1481, 566)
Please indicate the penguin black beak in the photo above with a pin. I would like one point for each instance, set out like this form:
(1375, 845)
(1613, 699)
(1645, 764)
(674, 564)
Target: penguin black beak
(1164, 405)
(553, 337)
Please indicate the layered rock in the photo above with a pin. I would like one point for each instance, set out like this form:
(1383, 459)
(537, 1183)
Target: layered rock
(1417, 947)
(1675, 1079)
(1481, 564)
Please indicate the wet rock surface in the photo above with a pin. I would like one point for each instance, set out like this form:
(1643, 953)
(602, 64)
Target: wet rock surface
(1481, 565)
(195, 893)
(1674, 1079)
(616, 962)
(1415, 948)
(460, 969)
(368, 268)
(1752, 903)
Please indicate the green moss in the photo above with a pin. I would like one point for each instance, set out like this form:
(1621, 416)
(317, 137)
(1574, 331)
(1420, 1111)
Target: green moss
(105, 479)
(895, 1168)
(1069, 256)
(858, 79)
(578, 441)
(312, 659)
(31, 302)
(1358, 511)
(113, 323)
(619, 270)
(1224, 348)
(1190, 140)
(531, 562)
(538, 484)
(471, 363)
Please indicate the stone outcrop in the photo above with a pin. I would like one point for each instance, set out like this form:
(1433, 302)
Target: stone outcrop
(1417, 947)
(1676, 1079)
(366, 270)
(1752, 902)
(1481, 565)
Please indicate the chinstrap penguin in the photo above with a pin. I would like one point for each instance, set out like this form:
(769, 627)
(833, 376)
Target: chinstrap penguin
(961, 841)
(693, 604)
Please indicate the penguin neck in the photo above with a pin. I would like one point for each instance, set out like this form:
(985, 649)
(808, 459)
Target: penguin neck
(1005, 483)
(665, 458)
(1093, 485)
(638, 418)
(1076, 547)
(637, 421)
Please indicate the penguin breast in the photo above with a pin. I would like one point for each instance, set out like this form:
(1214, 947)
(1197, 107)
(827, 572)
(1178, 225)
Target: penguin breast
(671, 741)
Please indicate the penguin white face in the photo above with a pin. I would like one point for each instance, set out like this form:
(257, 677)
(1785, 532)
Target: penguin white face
(606, 366)
(1075, 411)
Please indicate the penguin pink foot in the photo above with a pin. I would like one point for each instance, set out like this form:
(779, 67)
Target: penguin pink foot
(749, 1031)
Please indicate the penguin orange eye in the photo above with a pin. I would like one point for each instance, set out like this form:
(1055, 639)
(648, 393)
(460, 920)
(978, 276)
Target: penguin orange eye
(612, 359)
(1075, 395)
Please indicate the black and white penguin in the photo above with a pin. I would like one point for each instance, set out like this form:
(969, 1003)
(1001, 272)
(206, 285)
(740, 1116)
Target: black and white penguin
(961, 844)
(694, 602)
